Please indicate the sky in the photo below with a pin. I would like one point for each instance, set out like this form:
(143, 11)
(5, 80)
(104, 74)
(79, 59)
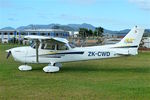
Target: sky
(109, 14)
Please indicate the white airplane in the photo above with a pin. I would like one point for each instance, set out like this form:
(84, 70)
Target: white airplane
(54, 51)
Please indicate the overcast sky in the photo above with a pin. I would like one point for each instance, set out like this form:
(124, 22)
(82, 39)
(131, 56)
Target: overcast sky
(110, 14)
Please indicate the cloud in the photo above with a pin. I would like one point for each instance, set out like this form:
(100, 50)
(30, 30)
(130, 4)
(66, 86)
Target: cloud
(143, 4)
(11, 19)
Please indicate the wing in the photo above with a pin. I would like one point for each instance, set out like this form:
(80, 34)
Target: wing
(56, 39)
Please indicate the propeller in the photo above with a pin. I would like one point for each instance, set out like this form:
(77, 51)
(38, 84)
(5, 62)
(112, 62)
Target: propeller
(9, 53)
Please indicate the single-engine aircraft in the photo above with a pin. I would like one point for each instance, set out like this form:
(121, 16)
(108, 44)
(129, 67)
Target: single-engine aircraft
(54, 50)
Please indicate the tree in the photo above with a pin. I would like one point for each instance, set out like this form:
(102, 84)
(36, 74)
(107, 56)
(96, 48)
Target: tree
(90, 32)
(99, 31)
(95, 33)
(83, 32)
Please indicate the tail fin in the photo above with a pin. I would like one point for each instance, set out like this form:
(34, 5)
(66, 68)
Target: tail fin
(133, 38)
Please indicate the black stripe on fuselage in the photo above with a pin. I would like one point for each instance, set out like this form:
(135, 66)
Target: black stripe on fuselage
(50, 56)
(126, 47)
(58, 55)
(63, 53)
(71, 53)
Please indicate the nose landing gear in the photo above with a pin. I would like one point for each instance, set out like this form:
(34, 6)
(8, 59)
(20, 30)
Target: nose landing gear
(24, 68)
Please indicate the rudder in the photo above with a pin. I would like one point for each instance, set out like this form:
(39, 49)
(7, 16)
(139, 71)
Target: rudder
(133, 38)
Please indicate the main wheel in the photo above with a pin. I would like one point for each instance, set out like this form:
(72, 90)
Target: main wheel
(50, 69)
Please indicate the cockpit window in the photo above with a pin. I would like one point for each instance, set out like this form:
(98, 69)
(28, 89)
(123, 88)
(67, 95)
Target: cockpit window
(52, 46)
(49, 46)
(42, 46)
(62, 47)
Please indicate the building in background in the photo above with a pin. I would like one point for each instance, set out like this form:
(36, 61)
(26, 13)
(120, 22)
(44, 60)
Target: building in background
(8, 35)
(146, 42)
(74, 33)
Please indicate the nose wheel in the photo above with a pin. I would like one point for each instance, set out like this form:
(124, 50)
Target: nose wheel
(25, 68)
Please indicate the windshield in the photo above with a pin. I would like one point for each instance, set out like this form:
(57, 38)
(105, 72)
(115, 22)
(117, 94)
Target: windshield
(32, 44)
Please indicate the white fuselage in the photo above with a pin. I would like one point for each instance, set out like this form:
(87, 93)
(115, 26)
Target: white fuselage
(28, 54)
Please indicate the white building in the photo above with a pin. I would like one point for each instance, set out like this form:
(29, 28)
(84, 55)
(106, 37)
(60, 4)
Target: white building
(74, 33)
(7, 35)
(146, 42)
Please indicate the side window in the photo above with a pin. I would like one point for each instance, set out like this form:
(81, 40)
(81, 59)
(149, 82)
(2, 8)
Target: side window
(49, 46)
(54, 46)
(43, 46)
(62, 47)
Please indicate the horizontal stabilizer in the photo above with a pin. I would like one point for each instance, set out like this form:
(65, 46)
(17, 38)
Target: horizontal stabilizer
(128, 51)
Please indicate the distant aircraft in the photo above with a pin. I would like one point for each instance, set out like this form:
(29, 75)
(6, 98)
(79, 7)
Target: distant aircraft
(54, 51)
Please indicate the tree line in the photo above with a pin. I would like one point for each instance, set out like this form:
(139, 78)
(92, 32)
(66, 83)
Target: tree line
(98, 32)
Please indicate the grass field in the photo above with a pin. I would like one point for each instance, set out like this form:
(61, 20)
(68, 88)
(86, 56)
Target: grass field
(110, 79)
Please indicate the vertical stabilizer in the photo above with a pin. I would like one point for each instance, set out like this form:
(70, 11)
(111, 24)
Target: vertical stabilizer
(133, 38)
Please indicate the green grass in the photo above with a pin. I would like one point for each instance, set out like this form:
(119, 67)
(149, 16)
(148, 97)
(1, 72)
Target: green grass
(109, 79)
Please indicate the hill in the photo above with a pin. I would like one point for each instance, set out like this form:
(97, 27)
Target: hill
(73, 27)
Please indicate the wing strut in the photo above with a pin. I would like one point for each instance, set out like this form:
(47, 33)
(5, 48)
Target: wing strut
(37, 51)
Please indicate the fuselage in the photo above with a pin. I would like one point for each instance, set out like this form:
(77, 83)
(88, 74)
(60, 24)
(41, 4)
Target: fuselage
(27, 54)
